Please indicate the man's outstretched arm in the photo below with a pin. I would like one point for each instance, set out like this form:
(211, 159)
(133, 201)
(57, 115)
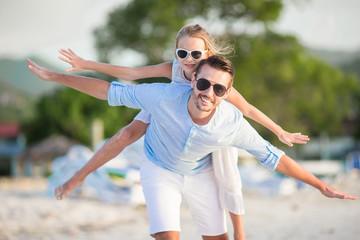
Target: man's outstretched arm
(289, 167)
(91, 86)
(108, 151)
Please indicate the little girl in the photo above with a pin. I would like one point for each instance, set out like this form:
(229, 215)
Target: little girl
(193, 43)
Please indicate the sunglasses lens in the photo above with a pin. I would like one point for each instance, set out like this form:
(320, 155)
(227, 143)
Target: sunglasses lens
(219, 90)
(203, 84)
(181, 53)
(196, 54)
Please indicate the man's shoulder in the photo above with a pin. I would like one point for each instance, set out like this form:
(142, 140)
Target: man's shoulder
(227, 106)
(173, 86)
(177, 91)
(229, 112)
(167, 91)
(179, 85)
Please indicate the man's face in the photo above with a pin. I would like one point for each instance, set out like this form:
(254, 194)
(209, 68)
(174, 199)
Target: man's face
(206, 100)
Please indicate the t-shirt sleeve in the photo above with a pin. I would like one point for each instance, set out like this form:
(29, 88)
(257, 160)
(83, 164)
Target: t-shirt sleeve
(247, 138)
(143, 116)
(142, 96)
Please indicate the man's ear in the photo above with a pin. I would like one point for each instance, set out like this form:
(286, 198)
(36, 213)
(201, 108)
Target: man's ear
(227, 93)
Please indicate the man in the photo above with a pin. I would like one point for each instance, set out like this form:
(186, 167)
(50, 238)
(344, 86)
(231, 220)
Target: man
(188, 123)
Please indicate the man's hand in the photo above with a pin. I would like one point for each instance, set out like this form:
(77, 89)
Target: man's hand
(74, 60)
(331, 192)
(41, 72)
(290, 138)
(289, 167)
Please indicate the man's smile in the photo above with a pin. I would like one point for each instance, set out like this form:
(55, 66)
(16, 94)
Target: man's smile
(205, 99)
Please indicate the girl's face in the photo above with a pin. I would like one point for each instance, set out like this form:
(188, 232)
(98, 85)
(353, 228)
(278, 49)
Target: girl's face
(188, 64)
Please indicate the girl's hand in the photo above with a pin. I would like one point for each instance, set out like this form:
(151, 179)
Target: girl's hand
(290, 138)
(64, 190)
(74, 60)
(41, 72)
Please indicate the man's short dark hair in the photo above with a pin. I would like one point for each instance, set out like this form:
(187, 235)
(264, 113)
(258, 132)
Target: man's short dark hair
(219, 63)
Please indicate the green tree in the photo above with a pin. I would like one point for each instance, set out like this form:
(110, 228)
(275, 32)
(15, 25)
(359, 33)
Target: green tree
(150, 26)
(273, 72)
(70, 113)
(295, 89)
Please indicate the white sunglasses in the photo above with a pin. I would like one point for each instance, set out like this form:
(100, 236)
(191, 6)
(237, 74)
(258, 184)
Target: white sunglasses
(195, 54)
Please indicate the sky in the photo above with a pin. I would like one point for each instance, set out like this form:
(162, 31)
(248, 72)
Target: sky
(42, 27)
(325, 24)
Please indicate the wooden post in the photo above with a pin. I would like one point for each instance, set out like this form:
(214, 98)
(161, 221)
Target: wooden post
(97, 132)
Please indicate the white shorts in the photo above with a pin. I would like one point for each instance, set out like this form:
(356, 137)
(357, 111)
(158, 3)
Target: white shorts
(163, 192)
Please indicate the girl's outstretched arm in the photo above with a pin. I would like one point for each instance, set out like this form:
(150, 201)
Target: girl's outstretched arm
(108, 151)
(91, 86)
(125, 73)
(255, 114)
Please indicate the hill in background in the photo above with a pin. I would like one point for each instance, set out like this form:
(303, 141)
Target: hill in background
(19, 89)
(16, 73)
(15, 104)
(349, 62)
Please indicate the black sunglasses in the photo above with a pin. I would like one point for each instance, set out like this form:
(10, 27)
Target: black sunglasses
(195, 54)
(202, 84)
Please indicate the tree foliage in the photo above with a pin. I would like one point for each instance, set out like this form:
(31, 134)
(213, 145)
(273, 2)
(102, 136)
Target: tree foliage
(70, 113)
(150, 26)
(295, 89)
(273, 72)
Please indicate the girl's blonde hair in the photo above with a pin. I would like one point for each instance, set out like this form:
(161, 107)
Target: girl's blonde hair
(195, 30)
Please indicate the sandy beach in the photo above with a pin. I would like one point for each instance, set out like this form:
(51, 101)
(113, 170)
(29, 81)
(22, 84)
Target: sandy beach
(26, 212)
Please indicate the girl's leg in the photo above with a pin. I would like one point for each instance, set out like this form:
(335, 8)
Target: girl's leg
(170, 235)
(229, 182)
(220, 237)
(237, 221)
(108, 151)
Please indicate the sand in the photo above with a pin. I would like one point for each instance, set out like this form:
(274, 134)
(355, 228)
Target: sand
(27, 213)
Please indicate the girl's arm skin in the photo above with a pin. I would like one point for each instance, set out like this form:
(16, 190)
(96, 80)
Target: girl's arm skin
(91, 86)
(125, 73)
(255, 114)
(289, 167)
(108, 151)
